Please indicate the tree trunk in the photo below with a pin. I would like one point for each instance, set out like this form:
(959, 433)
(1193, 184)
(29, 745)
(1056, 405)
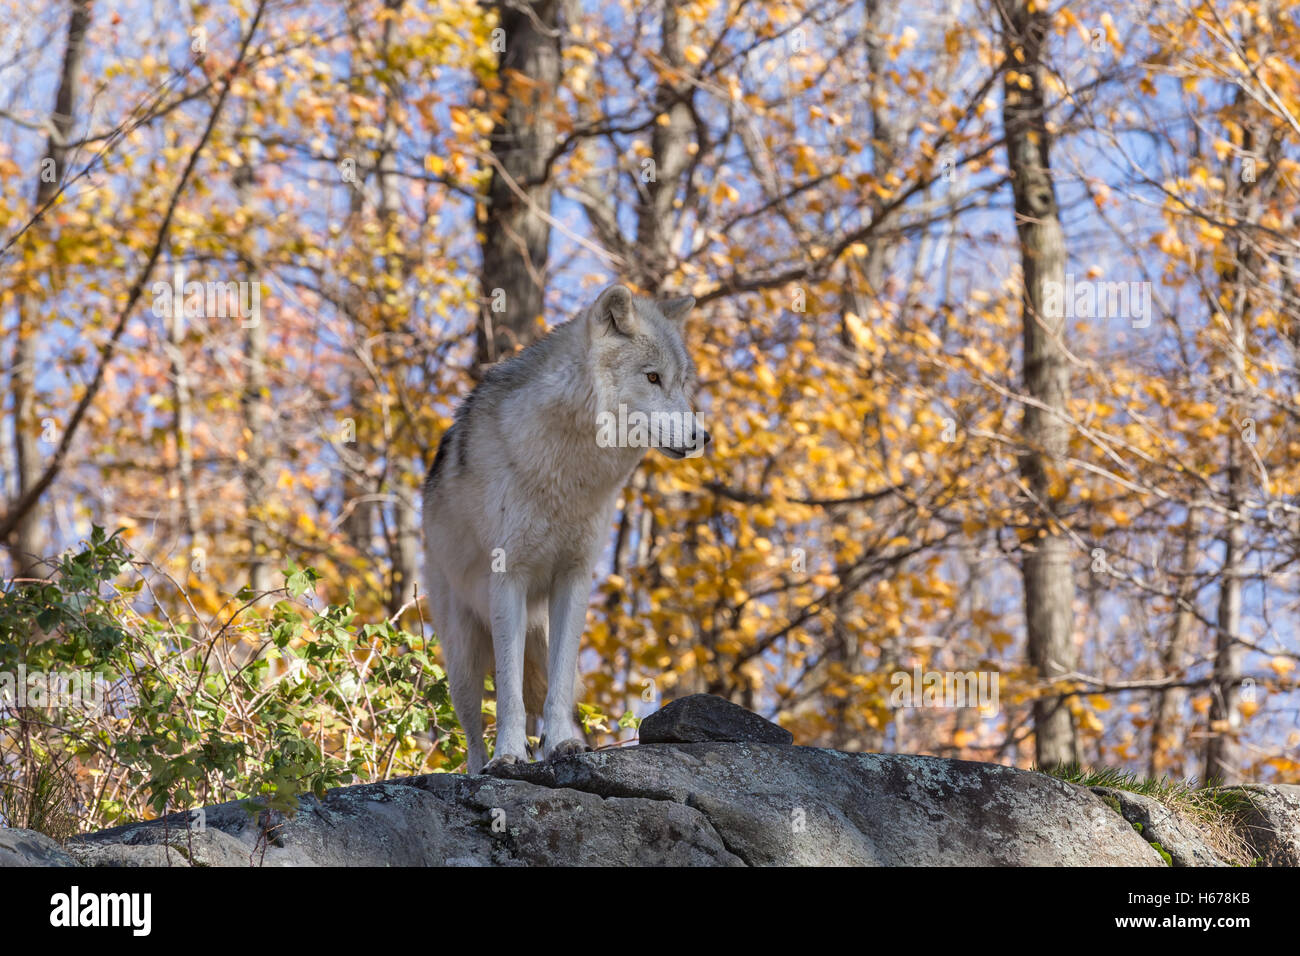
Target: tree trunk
(516, 235)
(404, 535)
(1223, 748)
(1166, 736)
(255, 404)
(182, 424)
(31, 540)
(655, 260)
(669, 145)
(358, 505)
(879, 16)
(1048, 576)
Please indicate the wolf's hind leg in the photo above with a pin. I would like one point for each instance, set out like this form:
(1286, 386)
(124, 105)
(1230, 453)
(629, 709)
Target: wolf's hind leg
(467, 654)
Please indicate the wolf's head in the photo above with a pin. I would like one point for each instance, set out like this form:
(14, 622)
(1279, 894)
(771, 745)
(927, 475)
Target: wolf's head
(644, 378)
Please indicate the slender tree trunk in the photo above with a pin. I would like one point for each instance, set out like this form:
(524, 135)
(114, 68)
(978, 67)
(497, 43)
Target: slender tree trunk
(1166, 735)
(255, 405)
(655, 261)
(183, 427)
(516, 234)
(359, 511)
(404, 534)
(879, 18)
(1047, 571)
(30, 540)
(669, 149)
(256, 481)
(1223, 749)
(405, 556)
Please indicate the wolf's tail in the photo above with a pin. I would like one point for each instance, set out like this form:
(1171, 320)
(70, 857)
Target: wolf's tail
(536, 677)
(535, 671)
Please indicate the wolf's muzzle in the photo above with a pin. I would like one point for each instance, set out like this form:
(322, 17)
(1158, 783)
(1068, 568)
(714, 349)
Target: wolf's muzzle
(699, 440)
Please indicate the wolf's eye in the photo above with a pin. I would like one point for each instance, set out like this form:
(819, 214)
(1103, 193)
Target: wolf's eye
(653, 377)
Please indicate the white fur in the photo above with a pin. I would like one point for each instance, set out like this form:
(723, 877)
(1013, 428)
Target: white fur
(521, 471)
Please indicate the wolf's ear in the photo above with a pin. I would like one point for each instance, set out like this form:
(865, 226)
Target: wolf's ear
(613, 310)
(676, 309)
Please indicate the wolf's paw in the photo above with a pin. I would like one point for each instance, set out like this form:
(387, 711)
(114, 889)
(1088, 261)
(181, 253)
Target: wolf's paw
(498, 764)
(568, 748)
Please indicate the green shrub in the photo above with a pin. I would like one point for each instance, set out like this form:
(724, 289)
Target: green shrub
(270, 700)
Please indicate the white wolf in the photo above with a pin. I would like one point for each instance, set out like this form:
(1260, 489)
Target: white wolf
(520, 500)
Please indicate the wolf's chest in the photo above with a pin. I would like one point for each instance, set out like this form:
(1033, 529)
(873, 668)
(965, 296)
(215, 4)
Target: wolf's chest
(557, 515)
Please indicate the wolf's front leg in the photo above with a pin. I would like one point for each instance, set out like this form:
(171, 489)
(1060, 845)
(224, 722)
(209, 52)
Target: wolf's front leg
(568, 615)
(509, 608)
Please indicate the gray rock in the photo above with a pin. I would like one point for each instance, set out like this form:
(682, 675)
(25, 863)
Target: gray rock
(542, 826)
(775, 805)
(1272, 826)
(29, 848)
(703, 717)
(382, 824)
(1176, 836)
(696, 804)
(171, 844)
(126, 855)
(434, 820)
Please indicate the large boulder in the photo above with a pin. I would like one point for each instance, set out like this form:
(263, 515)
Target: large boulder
(432, 820)
(701, 804)
(775, 805)
(710, 785)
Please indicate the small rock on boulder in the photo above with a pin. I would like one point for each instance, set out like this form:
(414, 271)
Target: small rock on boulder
(1177, 837)
(701, 718)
